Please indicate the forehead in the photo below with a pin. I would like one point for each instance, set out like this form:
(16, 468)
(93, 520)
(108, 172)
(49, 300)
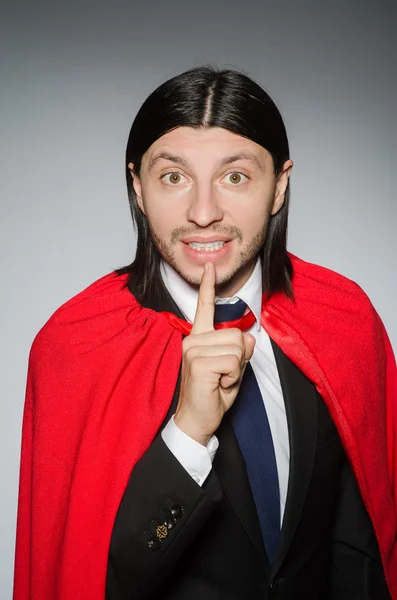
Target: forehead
(211, 143)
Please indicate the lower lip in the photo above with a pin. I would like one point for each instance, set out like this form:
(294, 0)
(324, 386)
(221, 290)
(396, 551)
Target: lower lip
(202, 256)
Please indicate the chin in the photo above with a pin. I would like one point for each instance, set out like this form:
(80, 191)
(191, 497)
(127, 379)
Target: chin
(227, 278)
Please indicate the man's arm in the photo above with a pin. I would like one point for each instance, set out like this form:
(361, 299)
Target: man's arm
(144, 550)
(356, 571)
(161, 499)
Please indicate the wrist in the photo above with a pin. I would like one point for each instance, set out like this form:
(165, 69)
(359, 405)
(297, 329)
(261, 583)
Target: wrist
(191, 430)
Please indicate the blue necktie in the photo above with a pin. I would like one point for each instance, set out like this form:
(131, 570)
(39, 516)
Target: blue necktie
(252, 430)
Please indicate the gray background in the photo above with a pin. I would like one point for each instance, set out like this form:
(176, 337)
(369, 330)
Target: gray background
(73, 77)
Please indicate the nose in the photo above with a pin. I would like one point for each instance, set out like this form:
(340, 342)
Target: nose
(204, 208)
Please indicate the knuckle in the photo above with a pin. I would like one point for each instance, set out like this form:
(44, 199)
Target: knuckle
(237, 336)
(190, 353)
(202, 303)
(195, 365)
(188, 342)
(238, 351)
(235, 361)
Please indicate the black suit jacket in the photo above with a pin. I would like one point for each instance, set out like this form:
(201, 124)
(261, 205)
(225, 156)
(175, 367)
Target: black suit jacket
(214, 550)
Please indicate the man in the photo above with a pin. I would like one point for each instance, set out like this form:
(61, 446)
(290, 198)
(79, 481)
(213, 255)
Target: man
(216, 420)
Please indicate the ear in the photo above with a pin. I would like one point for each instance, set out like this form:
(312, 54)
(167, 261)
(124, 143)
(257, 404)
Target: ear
(281, 186)
(136, 182)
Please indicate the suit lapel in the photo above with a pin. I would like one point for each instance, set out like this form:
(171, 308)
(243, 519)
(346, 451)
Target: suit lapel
(301, 402)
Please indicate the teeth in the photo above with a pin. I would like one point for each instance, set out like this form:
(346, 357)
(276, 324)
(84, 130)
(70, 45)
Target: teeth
(208, 247)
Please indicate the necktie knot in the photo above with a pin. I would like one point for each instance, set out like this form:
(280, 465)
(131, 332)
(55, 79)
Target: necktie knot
(229, 312)
(226, 315)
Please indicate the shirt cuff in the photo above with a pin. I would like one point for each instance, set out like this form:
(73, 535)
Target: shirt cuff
(195, 458)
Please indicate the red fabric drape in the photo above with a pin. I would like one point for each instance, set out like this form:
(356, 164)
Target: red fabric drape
(101, 376)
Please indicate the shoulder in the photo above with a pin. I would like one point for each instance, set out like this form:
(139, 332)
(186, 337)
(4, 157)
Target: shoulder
(88, 318)
(331, 316)
(320, 285)
(327, 304)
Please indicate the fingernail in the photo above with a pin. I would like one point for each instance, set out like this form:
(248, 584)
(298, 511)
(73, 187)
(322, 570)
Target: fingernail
(206, 268)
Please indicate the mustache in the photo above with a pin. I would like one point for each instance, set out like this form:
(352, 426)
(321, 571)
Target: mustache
(232, 232)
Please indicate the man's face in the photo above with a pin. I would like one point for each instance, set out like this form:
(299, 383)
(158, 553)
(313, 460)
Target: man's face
(207, 195)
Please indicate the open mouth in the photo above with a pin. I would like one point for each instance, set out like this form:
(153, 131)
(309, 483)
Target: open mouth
(207, 247)
(202, 251)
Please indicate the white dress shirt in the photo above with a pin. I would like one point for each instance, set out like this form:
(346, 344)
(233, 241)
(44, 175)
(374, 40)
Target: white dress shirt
(196, 458)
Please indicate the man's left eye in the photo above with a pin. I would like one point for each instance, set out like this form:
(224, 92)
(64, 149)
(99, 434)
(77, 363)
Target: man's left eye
(236, 178)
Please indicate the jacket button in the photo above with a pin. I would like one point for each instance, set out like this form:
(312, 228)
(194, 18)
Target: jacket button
(273, 584)
(154, 543)
(161, 532)
(177, 511)
(169, 521)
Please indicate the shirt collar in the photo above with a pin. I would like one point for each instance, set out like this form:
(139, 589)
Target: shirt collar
(185, 295)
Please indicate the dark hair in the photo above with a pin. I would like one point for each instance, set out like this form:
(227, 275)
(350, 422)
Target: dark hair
(208, 97)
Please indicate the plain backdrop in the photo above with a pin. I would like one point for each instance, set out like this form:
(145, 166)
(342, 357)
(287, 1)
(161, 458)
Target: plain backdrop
(73, 76)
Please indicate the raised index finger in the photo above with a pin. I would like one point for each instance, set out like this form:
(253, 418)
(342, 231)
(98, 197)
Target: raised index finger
(204, 318)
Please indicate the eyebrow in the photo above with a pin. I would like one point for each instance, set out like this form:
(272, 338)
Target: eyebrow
(222, 163)
(165, 156)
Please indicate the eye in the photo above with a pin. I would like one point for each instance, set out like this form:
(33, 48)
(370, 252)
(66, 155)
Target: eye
(172, 178)
(236, 178)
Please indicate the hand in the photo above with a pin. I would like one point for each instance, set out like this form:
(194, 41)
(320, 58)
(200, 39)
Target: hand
(213, 363)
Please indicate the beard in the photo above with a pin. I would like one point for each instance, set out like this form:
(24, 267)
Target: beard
(246, 256)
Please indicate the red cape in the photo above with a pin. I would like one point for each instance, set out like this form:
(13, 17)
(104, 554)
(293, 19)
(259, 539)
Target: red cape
(101, 376)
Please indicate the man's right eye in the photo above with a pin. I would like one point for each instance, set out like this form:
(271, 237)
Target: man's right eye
(174, 177)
